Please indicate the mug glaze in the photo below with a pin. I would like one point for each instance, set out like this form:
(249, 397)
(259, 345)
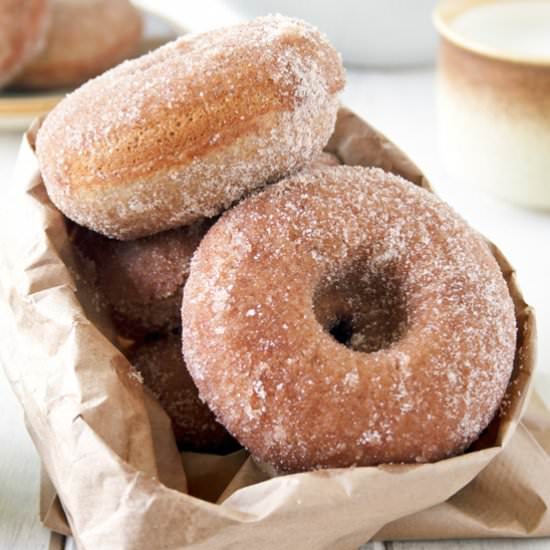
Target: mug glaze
(493, 113)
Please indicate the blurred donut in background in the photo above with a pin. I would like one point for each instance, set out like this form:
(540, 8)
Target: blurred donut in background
(163, 370)
(23, 27)
(86, 38)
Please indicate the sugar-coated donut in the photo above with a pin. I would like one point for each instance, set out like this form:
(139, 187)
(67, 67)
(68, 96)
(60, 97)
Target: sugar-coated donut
(324, 159)
(185, 131)
(86, 37)
(163, 371)
(23, 27)
(345, 316)
(142, 280)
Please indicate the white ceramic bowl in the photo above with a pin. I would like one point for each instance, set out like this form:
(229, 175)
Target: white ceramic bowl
(381, 33)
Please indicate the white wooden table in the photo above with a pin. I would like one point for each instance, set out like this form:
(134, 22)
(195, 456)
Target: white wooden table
(401, 104)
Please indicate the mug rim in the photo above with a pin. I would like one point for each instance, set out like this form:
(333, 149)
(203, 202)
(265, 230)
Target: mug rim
(446, 11)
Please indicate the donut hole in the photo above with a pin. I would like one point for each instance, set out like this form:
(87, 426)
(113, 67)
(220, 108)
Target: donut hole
(363, 308)
(342, 330)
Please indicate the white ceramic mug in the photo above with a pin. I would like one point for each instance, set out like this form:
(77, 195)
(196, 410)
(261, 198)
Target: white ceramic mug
(494, 96)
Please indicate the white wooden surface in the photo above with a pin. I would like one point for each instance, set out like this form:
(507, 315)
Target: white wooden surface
(537, 544)
(401, 104)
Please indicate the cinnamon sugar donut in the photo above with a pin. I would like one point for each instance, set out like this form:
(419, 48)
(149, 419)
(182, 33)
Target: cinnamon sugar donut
(195, 428)
(86, 37)
(23, 26)
(324, 159)
(185, 131)
(142, 280)
(345, 316)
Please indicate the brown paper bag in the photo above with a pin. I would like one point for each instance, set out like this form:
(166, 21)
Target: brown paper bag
(110, 455)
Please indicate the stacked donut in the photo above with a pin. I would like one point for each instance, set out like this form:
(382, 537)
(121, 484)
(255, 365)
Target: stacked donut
(50, 44)
(327, 315)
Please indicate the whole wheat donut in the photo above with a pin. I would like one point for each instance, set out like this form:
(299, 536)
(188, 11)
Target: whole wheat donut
(86, 37)
(185, 131)
(142, 280)
(23, 26)
(345, 316)
(163, 371)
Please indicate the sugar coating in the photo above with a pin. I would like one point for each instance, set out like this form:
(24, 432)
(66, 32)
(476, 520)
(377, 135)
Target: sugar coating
(424, 320)
(142, 280)
(324, 159)
(163, 371)
(185, 131)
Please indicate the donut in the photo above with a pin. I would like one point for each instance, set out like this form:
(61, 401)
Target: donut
(324, 159)
(163, 371)
(142, 279)
(185, 131)
(23, 27)
(346, 317)
(86, 37)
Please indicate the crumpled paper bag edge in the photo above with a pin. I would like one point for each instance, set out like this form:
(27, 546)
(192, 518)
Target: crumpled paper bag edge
(423, 180)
